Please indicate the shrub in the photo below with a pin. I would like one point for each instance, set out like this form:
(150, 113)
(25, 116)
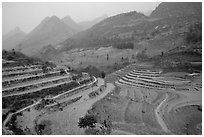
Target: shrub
(124, 45)
(88, 121)
(194, 33)
(142, 55)
(103, 74)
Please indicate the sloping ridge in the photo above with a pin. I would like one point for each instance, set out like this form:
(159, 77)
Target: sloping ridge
(108, 31)
(100, 32)
(71, 23)
(50, 31)
(176, 9)
(12, 38)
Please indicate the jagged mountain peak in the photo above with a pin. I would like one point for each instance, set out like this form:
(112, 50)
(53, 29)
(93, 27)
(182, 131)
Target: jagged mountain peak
(13, 32)
(17, 30)
(12, 38)
(71, 23)
(51, 30)
(50, 19)
(67, 17)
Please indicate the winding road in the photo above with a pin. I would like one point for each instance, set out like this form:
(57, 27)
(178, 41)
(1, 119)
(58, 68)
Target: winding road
(158, 113)
(11, 114)
(65, 122)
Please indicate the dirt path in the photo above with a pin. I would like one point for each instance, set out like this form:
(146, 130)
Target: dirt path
(159, 113)
(66, 121)
(30, 106)
(11, 114)
(185, 98)
(94, 81)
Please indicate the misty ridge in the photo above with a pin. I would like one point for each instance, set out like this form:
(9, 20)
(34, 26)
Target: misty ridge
(102, 31)
(51, 30)
(132, 73)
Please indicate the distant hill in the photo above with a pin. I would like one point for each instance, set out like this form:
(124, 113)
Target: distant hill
(164, 30)
(12, 38)
(50, 31)
(18, 59)
(88, 24)
(106, 31)
(176, 9)
(48, 52)
(71, 23)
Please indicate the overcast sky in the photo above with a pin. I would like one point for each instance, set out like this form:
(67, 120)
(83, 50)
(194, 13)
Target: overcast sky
(29, 15)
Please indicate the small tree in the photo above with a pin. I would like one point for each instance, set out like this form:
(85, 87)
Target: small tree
(107, 124)
(162, 53)
(62, 71)
(44, 68)
(107, 57)
(133, 56)
(4, 51)
(88, 121)
(10, 57)
(194, 33)
(103, 74)
(13, 51)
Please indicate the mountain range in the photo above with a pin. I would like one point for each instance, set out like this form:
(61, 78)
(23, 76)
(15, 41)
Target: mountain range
(163, 30)
(50, 31)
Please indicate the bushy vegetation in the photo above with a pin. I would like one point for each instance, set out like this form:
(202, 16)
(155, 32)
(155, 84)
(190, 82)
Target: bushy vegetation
(12, 125)
(12, 55)
(92, 70)
(142, 56)
(103, 74)
(21, 73)
(180, 62)
(21, 59)
(94, 126)
(14, 81)
(194, 33)
(123, 45)
(88, 121)
(24, 100)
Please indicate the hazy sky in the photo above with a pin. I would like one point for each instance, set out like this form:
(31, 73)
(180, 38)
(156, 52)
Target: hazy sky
(29, 15)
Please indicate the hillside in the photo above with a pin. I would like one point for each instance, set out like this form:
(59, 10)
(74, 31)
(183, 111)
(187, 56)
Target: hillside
(104, 32)
(11, 58)
(172, 9)
(71, 23)
(162, 31)
(12, 38)
(129, 74)
(50, 31)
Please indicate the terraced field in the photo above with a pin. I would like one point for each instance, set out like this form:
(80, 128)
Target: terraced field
(145, 100)
(149, 101)
(27, 91)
